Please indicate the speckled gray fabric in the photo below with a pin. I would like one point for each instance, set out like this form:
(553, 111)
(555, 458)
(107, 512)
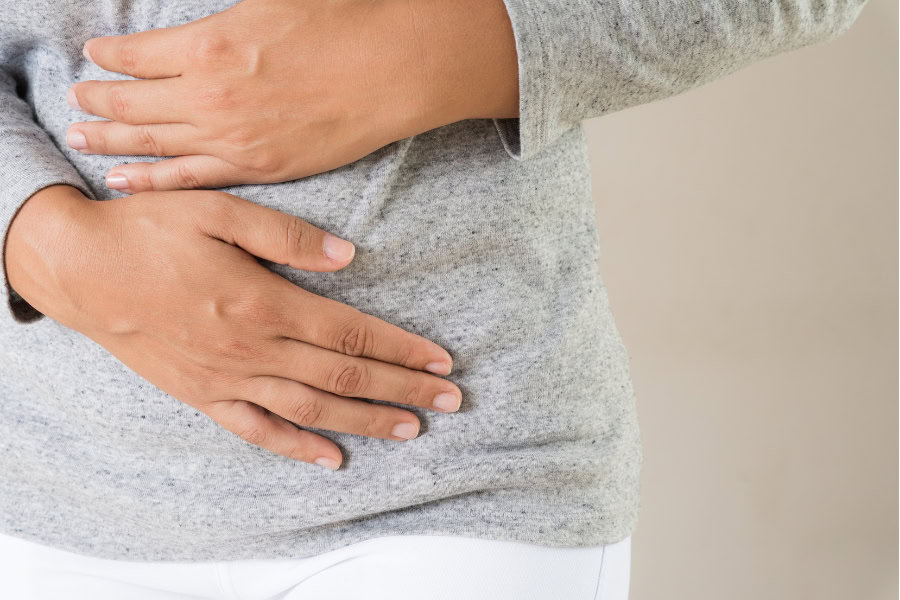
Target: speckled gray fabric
(479, 235)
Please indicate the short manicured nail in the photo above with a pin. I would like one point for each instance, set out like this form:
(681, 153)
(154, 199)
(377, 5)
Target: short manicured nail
(447, 402)
(328, 463)
(72, 99)
(117, 182)
(439, 368)
(76, 140)
(86, 53)
(337, 249)
(407, 431)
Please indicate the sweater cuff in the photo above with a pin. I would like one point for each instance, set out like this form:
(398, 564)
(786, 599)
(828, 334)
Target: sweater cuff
(537, 125)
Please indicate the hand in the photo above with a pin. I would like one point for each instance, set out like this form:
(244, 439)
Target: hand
(180, 299)
(275, 90)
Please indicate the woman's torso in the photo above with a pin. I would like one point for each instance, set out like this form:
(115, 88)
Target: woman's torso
(492, 258)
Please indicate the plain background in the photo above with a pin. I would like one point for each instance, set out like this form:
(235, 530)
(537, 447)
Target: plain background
(749, 244)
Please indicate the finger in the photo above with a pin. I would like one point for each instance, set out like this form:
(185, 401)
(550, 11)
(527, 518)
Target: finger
(351, 332)
(309, 407)
(181, 173)
(135, 102)
(112, 137)
(358, 377)
(148, 54)
(261, 428)
(276, 236)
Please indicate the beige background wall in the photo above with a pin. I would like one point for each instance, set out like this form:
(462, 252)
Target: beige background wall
(749, 235)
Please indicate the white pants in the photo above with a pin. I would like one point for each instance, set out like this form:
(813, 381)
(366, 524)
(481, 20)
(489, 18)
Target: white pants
(396, 567)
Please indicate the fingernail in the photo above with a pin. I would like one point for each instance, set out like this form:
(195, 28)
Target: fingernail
(86, 53)
(328, 463)
(76, 140)
(407, 431)
(447, 402)
(117, 182)
(72, 100)
(439, 368)
(337, 249)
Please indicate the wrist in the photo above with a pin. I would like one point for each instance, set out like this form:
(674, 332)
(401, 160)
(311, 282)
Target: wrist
(466, 63)
(39, 238)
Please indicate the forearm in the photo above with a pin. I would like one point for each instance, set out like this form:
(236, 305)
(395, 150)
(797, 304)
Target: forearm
(429, 63)
(333, 80)
(43, 228)
(469, 58)
(29, 163)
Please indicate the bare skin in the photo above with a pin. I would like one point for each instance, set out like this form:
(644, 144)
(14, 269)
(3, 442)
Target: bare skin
(265, 91)
(275, 90)
(181, 300)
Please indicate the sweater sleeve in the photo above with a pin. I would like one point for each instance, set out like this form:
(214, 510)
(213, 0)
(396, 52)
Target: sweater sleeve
(579, 59)
(29, 162)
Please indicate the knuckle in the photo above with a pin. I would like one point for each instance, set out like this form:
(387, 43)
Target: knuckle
(262, 161)
(372, 427)
(210, 48)
(307, 411)
(185, 177)
(413, 393)
(97, 140)
(241, 139)
(251, 310)
(349, 379)
(216, 96)
(353, 337)
(147, 142)
(405, 355)
(119, 324)
(119, 104)
(253, 434)
(142, 178)
(295, 235)
(246, 147)
(127, 55)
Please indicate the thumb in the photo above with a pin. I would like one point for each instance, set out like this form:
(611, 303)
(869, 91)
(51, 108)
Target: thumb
(181, 173)
(274, 235)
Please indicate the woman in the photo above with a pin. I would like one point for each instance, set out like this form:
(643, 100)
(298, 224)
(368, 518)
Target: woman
(457, 361)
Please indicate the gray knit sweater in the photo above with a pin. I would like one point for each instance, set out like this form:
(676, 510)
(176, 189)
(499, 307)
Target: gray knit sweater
(479, 236)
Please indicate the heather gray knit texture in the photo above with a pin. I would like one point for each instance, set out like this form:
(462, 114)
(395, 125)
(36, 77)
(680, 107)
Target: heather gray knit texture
(479, 235)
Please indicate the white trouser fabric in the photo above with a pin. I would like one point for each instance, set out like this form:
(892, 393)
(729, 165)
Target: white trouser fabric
(393, 567)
